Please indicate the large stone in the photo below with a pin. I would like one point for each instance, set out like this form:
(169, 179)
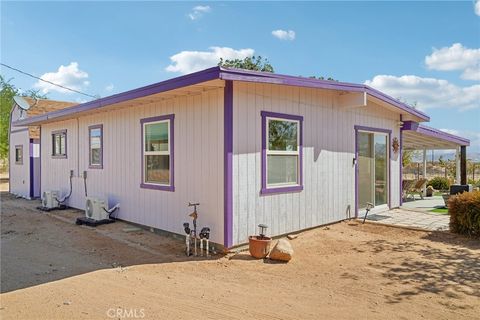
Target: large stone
(282, 251)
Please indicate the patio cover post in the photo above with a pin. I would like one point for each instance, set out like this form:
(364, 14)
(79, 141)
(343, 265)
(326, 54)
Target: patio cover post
(457, 166)
(424, 191)
(463, 165)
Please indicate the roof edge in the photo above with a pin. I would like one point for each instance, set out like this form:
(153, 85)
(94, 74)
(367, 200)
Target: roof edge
(167, 85)
(433, 132)
(223, 74)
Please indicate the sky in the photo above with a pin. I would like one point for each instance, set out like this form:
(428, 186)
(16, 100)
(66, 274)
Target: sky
(424, 53)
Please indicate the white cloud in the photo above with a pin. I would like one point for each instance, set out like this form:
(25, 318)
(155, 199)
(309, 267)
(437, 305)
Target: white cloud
(68, 76)
(109, 87)
(428, 92)
(284, 34)
(456, 57)
(477, 7)
(191, 61)
(198, 11)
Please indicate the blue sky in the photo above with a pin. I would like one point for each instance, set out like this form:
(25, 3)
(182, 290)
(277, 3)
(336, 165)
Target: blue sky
(423, 52)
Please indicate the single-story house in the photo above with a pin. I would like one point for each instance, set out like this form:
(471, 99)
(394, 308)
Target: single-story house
(24, 152)
(251, 147)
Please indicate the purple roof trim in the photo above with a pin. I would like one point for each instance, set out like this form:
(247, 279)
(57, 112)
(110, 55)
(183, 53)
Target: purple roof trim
(167, 85)
(266, 77)
(224, 74)
(435, 133)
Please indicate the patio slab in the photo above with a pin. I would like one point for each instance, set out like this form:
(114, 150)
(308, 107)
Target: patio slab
(411, 219)
(426, 204)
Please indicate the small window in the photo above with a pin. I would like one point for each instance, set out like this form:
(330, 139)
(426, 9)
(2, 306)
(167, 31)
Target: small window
(157, 152)
(59, 144)
(19, 154)
(95, 136)
(282, 152)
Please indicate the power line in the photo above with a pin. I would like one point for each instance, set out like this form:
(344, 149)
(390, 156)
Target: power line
(52, 83)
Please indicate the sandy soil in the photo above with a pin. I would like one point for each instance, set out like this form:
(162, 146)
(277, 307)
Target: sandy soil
(342, 271)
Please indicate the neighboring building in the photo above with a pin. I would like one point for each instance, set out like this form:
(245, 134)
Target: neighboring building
(251, 147)
(24, 153)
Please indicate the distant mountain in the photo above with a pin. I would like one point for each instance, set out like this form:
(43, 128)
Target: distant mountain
(475, 156)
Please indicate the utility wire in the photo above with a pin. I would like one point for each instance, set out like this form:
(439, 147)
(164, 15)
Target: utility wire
(52, 83)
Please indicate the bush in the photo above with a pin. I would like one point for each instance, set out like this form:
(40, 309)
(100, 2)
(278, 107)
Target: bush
(464, 212)
(474, 183)
(439, 183)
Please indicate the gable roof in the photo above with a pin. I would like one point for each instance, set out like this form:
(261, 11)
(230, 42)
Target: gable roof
(222, 74)
(40, 107)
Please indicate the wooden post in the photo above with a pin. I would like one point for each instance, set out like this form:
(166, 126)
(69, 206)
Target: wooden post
(463, 165)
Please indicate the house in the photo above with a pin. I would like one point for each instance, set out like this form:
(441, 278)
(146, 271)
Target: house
(251, 147)
(24, 153)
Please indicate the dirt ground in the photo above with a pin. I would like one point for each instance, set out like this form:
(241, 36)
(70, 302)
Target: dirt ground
(53, 269)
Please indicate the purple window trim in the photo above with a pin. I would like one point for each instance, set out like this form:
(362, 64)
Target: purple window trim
(18, 146)
(90, 165)
(153, 186)
(371, 129)
(59, 156)
(287, 189)
(228, 164)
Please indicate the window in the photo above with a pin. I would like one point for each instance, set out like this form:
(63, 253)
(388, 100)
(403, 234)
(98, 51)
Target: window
(59, 144)
(95, 145)
(157, 153)
(19, 154)
(281, 153)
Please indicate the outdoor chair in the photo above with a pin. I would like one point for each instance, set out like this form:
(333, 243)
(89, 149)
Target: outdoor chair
(406, 186)
(417, 188)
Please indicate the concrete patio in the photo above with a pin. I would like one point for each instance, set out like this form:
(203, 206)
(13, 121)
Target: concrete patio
(425, 204)
(412, 219)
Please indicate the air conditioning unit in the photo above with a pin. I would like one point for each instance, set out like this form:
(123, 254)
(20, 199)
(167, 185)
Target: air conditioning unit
(49, 199)
(95, 209)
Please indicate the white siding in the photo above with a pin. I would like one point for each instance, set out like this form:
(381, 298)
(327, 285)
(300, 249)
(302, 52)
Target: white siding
(20, 173)
(328, 170)
(19, 177)
(198, 163)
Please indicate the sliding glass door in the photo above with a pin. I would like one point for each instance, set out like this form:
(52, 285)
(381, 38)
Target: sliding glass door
(372, 169)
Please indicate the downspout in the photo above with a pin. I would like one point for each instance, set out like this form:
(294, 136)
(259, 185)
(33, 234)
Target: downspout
(9, 149)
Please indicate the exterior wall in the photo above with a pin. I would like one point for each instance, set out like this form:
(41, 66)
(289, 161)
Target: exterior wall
(328, 152)
(20, 173)
(198, 147)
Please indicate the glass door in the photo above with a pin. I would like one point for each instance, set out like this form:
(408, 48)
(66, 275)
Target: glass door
(372, 169)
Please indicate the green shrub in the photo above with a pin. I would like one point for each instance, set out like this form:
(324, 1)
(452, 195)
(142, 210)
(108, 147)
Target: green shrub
(474, 183)
(439, 183)
(464, 212)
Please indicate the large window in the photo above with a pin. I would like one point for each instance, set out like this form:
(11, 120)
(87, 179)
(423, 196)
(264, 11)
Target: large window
(19, 154)
(95, 144)
(282, 152)
(157, 153)
(59, 144)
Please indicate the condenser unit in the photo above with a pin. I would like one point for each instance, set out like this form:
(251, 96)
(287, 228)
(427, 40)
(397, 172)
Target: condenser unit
(96, 209)
(49, 199)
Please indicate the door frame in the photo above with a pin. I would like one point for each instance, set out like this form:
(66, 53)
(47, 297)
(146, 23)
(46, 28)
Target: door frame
(389, 183)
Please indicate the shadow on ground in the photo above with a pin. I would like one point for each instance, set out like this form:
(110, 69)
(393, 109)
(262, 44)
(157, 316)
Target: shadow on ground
(431, 270)
(38, 247)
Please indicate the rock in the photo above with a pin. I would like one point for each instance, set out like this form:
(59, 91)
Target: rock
(282, 251)
(292, 236)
